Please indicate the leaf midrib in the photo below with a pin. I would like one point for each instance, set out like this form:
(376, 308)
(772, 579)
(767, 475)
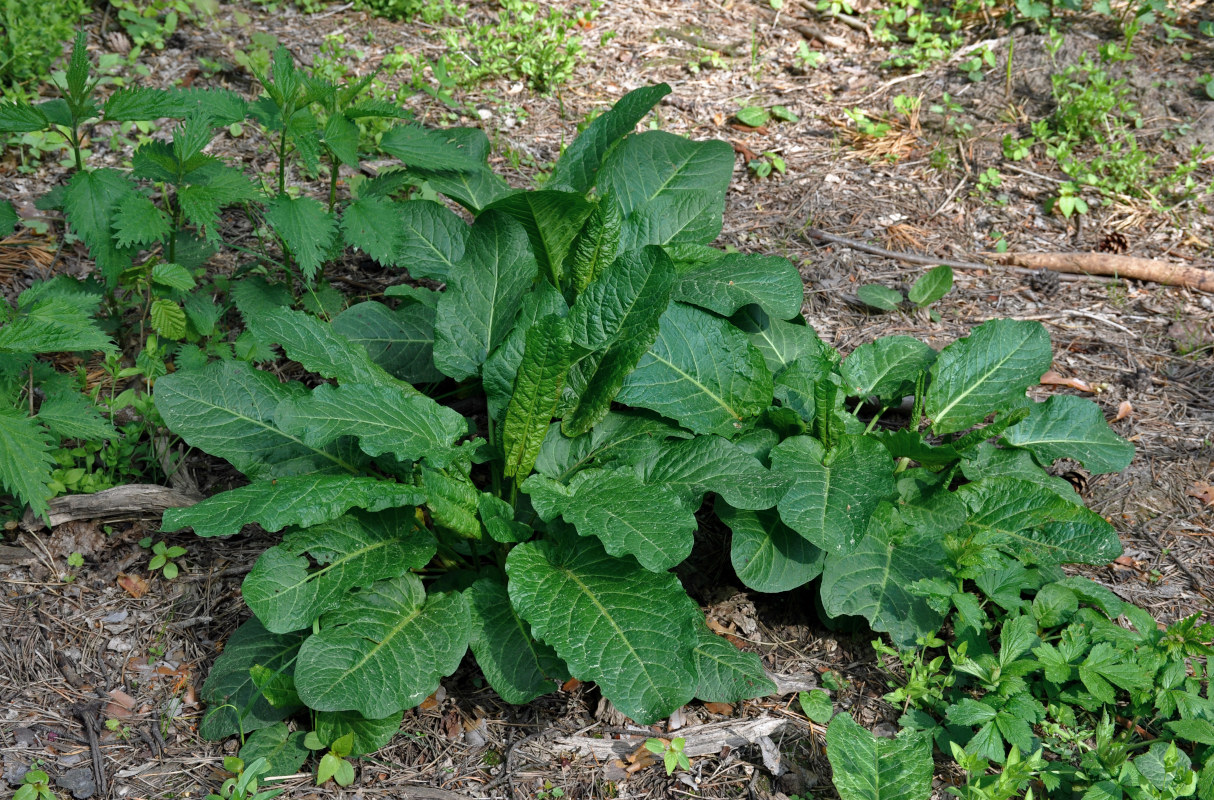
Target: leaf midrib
(980, 381)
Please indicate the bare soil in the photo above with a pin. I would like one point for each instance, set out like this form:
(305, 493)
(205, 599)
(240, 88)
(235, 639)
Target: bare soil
(76, 652)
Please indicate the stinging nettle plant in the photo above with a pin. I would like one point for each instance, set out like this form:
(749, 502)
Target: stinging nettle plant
(611, 372)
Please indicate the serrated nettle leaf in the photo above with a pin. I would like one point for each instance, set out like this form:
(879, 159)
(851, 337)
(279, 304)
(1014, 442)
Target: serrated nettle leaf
(881, 297)
(212, 188)
(341, 137)
(368, 735)
(302, 500)
(401, 340)
(595, 245)
(835, 493)
(53, 325)
(432, 239)
(384, 419)
(864, 767)
(447, 150)
(372, 224)
(737, 280)
(167, 318)
(352, 551)
(91, 203)
(1065, 426)
(989, 461)
(484, 292)
(518, 668)
(989, 370)
(305, 226)
(577, 168)
(618, 317)
(766, 554)
(547, 354)
(174, 276)
(621, 438)
(669, 189)
(70, 415)
(693, 467)
(702, 372)
(25, 460)
(502, 366)
(385, 652)
(139, 222)
(235, 706)
(1036, 525)
(931, 286)
(630, 630)
(552, 219)
(8, 218)
(283, 749)
(886, 368)
(726, 674)
(17, 117)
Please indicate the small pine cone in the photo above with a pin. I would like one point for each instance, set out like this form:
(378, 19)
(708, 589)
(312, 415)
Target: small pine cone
(1045, 282)
(1113, 242)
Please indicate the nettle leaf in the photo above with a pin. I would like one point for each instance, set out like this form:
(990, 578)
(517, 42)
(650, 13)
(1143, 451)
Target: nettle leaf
(595, 246)
(138, 221)
(385, 420)
(372, 224)
(173, 276)
(369, 735)
(226, 409)
(518, 668)
(70, 415)
(54, 325)
(630, 630)
(1035, 525)
(502, 367)
(484, 292)
(8, 218)
(736, 280)
(834, 493)
(537, 389)
(551, 219)
(726, 674)
(886, 368)
(384, 652)
(693, 467)
(578, 166)
(1065, 426)
(864, 767)
(766, 554)
(283, 749)
(302, 500)
(702, 372)
(780, 342)
(669, 189)
(18, 117)
(25, 460)
(91, 203)
(401, 340)
(167, 318)
(352, 551)
(622, 437)
(989, 370)
(213, 188)
(341, 137)
(431, 239)
(305, 226)
(234, 703)
(873, 579)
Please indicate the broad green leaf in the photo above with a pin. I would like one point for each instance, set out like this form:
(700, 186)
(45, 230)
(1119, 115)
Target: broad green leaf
(552, 219)
(234, 704)
(796, 386)
(630, 630)
(702, 372)
(226, 409)
(987, 371)
(1036, 525)
(474, 190)
(502, 366)
(989, 461)
(766, 554)
(91, 203)
(518, 668)
(880, 297)
(925, 502)
(448, 150)
(618, 317)
(577, 168)
(453, 501)
(886, 368)
(173, 276)
(302, 500)
(319, 348)
(17, 117)
(834, 493)
(537, 389)
(726, 674)
(1065, 426)
(740, 279)
(8, 218)
(53, 325)
(622, 437)
(283, 749)
(498, 518)
(352, 551)
(484, 292)
(646, 521)
(372, 224)
(167, 318)
(138, 222)
(864, 767)
(693, 467)
(70, 415)
(816, 705)
(25, 460)
(780, 342)
(385, 420)
(753, 116)
(669, 189)
(401, 340)
(431, 239)
(595, 246)
(906, 443)
(931, 286)
(386, 652)
(369, 735)
(873, 580)
(305, 226)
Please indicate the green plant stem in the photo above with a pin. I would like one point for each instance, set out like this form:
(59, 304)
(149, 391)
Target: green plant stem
(873, 422)
(282, 158)
(333, 167)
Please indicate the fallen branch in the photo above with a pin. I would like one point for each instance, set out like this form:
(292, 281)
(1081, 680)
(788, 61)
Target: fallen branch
(1142, 269)
(702, 740)
(122, 503)
(725, 48)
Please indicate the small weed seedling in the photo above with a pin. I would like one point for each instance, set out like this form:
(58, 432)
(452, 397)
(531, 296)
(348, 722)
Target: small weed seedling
(930, 287)
(816, 705)
(162, 557)
(671, 751)
(244, 785)
(333, 764)
(36, 785)
(766, 163)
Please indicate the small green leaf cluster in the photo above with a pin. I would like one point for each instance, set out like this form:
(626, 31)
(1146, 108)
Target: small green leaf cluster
(163, 558)
(35, 785)
(671, 752)
(927, 289)
(244, 785)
